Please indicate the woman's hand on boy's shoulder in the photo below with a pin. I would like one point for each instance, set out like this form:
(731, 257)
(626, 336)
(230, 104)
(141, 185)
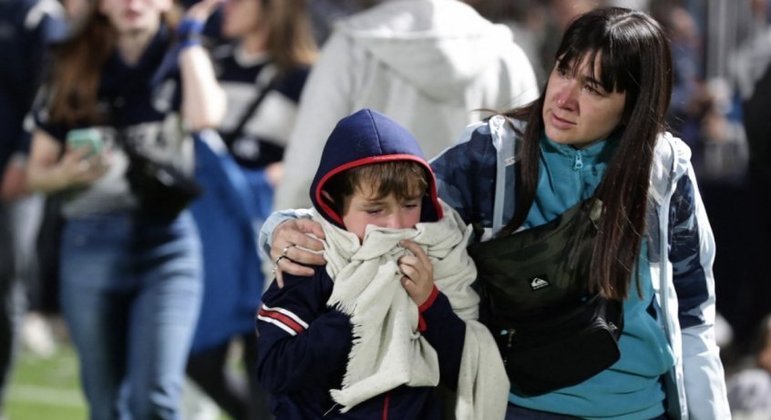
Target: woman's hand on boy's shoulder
(296, 246)
(418, 279)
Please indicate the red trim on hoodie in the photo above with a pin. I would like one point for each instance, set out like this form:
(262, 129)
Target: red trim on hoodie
(422, 326)
(368, 161)
(386, 403)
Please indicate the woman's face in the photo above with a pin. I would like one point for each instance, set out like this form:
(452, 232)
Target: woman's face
(134, 16)
(241, 17)
(576, 109)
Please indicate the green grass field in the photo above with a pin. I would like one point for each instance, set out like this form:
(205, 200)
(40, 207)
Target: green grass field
(46, 387)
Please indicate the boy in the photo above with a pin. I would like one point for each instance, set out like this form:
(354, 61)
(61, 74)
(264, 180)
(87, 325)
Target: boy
(370, 335)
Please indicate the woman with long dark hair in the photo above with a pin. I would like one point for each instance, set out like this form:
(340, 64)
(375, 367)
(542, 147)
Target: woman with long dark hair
(594, 140)
(134, 77)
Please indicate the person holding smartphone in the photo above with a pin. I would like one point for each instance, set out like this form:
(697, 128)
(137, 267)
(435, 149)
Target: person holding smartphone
(130, 276)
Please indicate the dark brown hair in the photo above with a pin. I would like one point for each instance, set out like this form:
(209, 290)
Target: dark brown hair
(405, 179)
(78, 65)
(290, 40)
(634, 57)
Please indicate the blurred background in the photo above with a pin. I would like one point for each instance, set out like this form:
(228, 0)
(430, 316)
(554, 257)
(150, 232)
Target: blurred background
(722, 51)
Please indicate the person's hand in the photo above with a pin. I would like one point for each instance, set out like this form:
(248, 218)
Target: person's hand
(274, 173)
(418, 279)
(296, 242)
(13, 182)
(76, 169)
(201, 10)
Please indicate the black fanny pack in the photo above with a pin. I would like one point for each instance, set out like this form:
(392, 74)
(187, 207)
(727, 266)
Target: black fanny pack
(162, 189)
(551, 332)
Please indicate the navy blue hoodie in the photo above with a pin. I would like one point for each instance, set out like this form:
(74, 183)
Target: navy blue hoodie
(304, 345)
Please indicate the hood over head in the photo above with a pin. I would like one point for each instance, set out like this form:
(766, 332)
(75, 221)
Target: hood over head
(364, 138)
(439, 46)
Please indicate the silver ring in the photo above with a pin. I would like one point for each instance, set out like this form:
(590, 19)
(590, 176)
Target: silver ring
(286, 249)
(278, 260)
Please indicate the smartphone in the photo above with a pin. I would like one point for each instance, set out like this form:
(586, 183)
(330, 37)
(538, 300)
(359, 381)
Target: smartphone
(85, 137)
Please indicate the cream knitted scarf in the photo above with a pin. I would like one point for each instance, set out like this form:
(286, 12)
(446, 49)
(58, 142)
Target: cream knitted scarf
(387, 349)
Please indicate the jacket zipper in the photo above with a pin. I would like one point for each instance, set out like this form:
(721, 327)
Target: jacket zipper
(330, 410)
(578, 163)
(510, 334)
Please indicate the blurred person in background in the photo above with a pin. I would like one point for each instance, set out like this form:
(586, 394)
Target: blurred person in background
(689, 95)
(559, 15)
(262, 71)
(527, 20)
(27, 30)
(428, 64)
(749, 390)
(756, 103)
(734, 135)
(325, 13)
(130, 277)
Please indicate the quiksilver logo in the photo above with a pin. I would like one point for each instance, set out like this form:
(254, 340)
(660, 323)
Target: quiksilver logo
(538, 283)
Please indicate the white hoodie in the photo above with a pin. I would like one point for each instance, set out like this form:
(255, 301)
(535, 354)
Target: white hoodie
(428, 64)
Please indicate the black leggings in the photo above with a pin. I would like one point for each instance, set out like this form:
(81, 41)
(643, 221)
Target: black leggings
(240, 399)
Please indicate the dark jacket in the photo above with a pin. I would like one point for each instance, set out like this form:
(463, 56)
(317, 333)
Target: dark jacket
(304, 345)
(27, 29)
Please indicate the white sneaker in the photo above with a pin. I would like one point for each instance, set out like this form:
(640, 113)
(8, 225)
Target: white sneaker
(36, 335)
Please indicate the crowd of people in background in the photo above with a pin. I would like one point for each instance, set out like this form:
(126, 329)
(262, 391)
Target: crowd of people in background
(287, 71)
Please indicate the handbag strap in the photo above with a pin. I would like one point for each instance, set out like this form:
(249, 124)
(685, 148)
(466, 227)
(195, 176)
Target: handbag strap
(275, 77)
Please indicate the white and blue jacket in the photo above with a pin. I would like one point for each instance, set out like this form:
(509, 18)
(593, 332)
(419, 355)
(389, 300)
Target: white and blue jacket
(477, 178)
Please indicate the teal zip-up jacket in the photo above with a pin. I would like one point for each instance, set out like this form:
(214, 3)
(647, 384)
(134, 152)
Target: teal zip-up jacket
(476, 177)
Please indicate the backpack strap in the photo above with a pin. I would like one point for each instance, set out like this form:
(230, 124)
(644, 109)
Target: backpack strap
(273, 77)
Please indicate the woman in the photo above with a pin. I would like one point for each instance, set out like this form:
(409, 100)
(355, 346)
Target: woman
(597, 130)
(130, 272)
(262, 70)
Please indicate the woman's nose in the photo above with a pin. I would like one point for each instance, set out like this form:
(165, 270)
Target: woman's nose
(566, 96)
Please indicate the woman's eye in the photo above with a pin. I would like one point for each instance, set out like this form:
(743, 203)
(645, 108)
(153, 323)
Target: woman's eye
(593, 90)
(373, 211)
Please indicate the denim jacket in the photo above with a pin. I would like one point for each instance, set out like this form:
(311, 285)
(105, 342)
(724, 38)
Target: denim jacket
(476, 177)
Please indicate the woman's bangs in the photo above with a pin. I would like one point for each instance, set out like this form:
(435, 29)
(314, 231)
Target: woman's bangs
(611, 70)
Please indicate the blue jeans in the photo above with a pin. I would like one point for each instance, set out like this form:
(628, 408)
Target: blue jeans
(131, 294)
(8, 324)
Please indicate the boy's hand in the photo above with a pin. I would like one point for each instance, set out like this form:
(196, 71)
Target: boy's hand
(418, 279)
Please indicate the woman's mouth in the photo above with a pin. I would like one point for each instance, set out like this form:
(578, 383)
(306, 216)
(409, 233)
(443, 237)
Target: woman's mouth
(560, 123)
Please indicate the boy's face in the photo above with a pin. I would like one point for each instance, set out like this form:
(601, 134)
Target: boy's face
(364, 208)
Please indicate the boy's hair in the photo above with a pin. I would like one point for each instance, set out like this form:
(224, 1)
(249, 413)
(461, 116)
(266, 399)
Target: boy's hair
(404, 179)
